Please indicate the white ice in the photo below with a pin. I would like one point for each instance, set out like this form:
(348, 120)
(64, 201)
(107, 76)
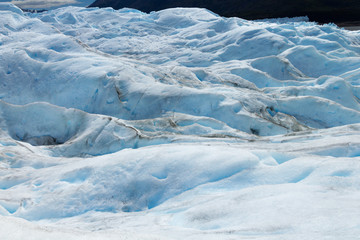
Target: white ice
(178, 124)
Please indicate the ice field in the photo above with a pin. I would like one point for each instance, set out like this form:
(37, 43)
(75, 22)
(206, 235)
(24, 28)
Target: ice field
(178, 124)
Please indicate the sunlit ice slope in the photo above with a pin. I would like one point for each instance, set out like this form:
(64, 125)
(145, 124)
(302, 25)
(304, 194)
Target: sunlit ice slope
(178, 124)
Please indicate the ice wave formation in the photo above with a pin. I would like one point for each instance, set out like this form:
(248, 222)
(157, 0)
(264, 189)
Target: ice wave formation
(177, 124)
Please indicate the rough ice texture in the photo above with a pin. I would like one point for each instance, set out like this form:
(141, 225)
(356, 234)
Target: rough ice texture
(177, 124)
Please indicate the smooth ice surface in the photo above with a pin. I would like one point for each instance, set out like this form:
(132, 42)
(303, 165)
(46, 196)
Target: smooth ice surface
(178, 124)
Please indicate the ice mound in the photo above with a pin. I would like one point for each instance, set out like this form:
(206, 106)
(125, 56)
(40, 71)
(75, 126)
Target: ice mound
(106, 185)
(178, 123)
(10, 7)
(76, 133)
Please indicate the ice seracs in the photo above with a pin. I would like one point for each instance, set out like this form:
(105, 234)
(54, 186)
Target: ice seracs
(178, 124)
(162, 61)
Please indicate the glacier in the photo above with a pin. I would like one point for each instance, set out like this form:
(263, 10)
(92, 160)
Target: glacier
(177, 124)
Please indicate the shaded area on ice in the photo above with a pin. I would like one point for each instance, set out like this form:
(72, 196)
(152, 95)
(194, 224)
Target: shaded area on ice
(71, 132)
(76, 132)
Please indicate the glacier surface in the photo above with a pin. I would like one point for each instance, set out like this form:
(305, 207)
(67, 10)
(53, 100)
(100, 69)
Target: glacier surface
(178, 124)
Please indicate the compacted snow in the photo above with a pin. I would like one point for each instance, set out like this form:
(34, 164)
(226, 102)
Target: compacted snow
(178, 124)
